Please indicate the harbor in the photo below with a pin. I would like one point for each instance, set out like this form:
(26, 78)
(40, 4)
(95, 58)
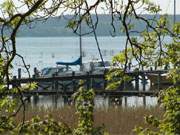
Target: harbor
(66, 85)
(89, 67)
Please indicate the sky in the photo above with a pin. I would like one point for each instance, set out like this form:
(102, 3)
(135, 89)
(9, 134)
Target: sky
(167, 6)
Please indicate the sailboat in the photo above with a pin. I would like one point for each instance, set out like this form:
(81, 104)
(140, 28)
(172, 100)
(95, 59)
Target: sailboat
(79, 60)
(93, 64)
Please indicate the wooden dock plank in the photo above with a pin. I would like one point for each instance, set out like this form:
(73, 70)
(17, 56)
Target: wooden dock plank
(78, 76)
(82, 76)
(97, 92)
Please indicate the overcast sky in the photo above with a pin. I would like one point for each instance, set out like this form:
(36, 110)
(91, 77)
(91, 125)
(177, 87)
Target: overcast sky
(166, 5)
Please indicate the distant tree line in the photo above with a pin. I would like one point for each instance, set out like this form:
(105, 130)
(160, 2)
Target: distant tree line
(56, 26)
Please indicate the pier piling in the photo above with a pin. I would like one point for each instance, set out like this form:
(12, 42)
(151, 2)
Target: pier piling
(19, 73)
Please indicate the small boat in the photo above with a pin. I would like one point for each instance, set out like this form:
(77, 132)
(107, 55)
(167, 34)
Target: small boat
(54, 71)
(49, 72)
(96, 66)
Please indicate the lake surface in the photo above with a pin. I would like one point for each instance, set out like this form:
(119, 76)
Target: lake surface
(46, 51)
(43, 52)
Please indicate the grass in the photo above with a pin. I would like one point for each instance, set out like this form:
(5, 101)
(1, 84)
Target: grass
(121, 121)
(117, 120)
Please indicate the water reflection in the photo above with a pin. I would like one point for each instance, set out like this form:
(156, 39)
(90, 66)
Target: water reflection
(100, 101)
(104, 101)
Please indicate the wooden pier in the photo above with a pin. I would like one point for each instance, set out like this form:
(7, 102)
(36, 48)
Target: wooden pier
(67, 85)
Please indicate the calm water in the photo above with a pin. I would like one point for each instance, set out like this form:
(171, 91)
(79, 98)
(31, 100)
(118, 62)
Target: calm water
(100, 101)
(45, 52)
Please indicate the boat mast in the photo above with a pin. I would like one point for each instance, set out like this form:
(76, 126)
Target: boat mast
(174, 11)
(80, 39)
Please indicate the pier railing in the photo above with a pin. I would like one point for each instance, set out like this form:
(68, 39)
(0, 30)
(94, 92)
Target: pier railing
(70, 83)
